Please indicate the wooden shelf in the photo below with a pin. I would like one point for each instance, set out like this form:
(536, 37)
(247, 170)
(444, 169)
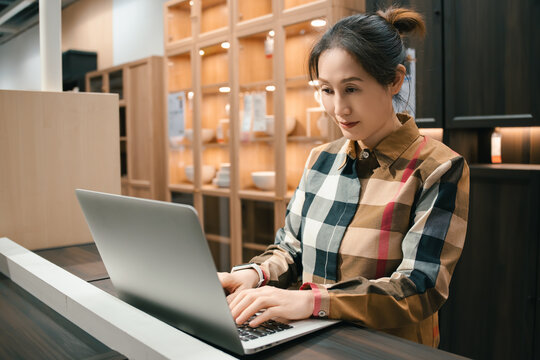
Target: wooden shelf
(247, 66)
(255, 246)
(255, 194)
(215, 191)
(218, 238)
(142, 146)
(184, 187)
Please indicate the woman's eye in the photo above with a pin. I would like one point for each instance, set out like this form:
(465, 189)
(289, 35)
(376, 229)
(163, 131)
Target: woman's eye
(350, 89)
(326, 90)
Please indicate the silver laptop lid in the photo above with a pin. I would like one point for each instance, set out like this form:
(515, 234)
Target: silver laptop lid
(158, 260)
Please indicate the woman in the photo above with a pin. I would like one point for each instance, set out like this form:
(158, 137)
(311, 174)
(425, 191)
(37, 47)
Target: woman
(378, 221)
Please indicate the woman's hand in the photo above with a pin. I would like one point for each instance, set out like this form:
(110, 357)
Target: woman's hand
(239, 280)
(287, 304)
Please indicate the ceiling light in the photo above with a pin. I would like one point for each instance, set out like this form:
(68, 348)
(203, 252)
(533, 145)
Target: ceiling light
(270, 88)
(201, 52)
(271, 33)
(224, 89)
(318, 23)
(225, 44)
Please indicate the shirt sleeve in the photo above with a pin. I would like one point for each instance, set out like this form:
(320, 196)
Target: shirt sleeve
(431, 249)
(282, 261)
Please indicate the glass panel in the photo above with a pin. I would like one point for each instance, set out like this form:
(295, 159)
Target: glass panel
(214, 15)
(123, 159)
(96, 84)
(217, 229)
(180, 119)
(221, 255)
(182, 198)
(179, 21)
(116, 84)
(257, 227)
(257, 222)
(122, 117)
(249, 9)
(306, 121)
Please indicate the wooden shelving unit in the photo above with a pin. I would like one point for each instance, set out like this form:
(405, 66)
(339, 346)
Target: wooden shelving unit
(238, 68)
(139, 86)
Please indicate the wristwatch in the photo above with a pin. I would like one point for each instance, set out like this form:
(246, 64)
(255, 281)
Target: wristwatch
(255, 267)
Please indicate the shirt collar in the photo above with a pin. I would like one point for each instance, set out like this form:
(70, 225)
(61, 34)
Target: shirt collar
(391, 147)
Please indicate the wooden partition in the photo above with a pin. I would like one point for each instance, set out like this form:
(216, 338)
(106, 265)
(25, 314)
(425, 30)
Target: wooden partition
(51, 144)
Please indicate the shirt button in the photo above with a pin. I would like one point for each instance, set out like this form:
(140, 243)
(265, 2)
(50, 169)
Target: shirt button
(322, 313)
(365, 154)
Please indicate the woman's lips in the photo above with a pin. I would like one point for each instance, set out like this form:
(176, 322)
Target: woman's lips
(348, 125)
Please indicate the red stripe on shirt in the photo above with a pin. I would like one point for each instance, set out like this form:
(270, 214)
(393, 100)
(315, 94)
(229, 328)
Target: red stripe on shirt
(316, 296)
(388, 213)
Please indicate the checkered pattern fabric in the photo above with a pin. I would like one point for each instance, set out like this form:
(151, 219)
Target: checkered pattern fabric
(377, 231)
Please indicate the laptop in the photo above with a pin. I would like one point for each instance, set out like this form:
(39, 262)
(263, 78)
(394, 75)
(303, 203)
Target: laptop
(159, 261)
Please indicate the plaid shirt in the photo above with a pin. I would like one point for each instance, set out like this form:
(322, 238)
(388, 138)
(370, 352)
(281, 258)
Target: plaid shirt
(376, 233)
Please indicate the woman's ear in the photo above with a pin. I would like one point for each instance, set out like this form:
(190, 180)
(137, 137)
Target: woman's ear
(395, 86)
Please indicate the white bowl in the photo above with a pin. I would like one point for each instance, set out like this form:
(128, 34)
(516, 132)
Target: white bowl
(207, 134)
(208, 172)
(290, 124)
(264, 180)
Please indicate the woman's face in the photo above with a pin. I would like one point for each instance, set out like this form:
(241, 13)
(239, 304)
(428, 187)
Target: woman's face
(361, 107)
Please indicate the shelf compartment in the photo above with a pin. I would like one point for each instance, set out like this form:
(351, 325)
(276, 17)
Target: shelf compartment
(257, 226)
(181, 196)
(96, 84)
(178, 160)
(255, 65)
(254, 156)
(221, 254)
(179, 72)
(217, 217)
(249, 9)
(214, 65)
(116, 83)
(178, 21)
(214, 158)
(300, 38)
(214, 15)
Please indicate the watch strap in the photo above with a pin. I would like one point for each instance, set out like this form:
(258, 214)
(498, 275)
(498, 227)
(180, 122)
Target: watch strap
(257, 268)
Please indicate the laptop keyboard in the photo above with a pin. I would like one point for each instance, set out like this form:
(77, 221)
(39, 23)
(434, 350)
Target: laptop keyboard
(247, 333)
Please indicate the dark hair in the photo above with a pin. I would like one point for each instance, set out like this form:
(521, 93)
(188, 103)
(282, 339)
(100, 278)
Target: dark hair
(373, 39)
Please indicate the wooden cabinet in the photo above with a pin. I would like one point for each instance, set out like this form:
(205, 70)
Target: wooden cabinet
(428, 60)
(237, 69)
(491, 57)
(139, 86)
(494, 304)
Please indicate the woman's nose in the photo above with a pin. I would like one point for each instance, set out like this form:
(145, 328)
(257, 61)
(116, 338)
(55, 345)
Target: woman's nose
(341, 107)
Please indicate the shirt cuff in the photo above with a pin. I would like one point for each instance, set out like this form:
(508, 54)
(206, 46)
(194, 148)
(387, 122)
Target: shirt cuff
(321, 303)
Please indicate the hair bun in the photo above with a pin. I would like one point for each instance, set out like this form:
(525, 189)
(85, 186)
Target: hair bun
(406, 21)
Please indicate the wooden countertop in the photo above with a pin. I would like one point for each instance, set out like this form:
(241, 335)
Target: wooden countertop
(29, 329)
